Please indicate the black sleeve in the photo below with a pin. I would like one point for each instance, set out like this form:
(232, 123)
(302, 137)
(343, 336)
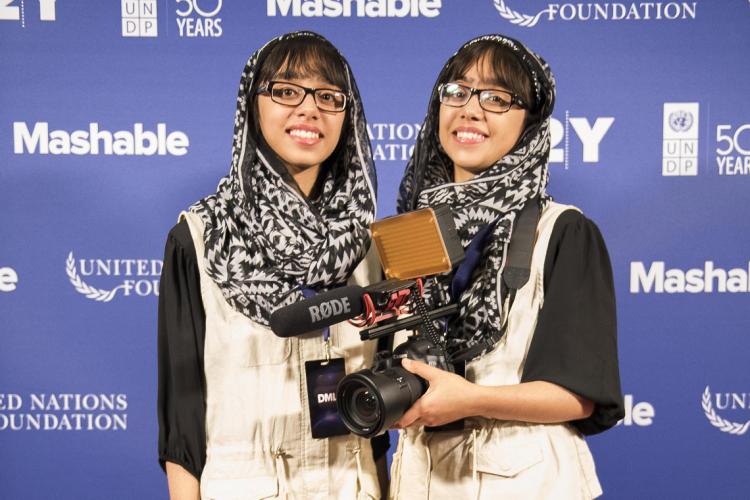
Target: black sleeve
(575, 342)
(181, 403)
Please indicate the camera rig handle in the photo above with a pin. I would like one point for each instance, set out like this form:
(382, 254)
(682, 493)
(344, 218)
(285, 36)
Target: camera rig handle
(409, 323)
(386, 301)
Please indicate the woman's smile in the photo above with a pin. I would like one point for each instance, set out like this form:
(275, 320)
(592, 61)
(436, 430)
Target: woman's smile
(469, 135)
(305, 135)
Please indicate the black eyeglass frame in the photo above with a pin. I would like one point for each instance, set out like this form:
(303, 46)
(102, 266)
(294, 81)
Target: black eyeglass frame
(514, 99)
(268, 89)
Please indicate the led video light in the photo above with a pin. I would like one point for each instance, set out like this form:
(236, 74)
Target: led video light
(417, 244)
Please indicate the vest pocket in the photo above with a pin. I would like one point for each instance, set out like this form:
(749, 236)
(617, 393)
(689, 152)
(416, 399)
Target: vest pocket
(367, 483)
(264, 348)
(237, 480)
(509, 458)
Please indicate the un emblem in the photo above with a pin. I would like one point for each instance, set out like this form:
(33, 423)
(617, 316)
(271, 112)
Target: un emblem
(680, 120)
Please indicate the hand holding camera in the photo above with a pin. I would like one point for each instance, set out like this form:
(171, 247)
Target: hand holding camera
(450, 398)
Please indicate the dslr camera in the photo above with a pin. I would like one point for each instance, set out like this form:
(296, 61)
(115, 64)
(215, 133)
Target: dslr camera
(372, 400)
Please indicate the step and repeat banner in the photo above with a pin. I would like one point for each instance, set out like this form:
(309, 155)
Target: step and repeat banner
(115, 115)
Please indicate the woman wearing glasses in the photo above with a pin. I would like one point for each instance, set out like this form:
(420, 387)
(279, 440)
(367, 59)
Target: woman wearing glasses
(292, 214)
(541, 356)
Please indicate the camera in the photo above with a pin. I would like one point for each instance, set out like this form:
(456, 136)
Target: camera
(412, 247)
(372, 400)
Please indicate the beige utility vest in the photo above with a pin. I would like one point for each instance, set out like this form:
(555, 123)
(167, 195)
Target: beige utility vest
(495, 459)
(259, 443)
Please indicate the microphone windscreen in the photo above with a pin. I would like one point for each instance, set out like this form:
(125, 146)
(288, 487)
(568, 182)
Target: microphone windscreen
(320, 311)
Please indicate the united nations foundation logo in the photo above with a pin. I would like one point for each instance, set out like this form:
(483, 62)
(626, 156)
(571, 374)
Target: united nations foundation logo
(599, 11)
(681, 120)
(726, 401)
(516, 17)
(135, 276)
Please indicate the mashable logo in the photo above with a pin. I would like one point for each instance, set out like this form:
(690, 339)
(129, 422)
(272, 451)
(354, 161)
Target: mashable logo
(39, 139)
(680, 154)
(639, 414)
(8, 279)
(354, 8)
(658, 279)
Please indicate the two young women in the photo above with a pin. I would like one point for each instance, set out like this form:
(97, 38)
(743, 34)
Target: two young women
(293, 213)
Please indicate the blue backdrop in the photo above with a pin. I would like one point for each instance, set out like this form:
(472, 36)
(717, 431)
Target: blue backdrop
(651, 140)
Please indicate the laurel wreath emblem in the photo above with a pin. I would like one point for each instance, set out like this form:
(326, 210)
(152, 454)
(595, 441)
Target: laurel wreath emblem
(514, 17)
(81, 287)
(718, 422)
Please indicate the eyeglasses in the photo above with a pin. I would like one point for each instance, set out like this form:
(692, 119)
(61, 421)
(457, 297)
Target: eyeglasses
(290, 94)
(493, 100)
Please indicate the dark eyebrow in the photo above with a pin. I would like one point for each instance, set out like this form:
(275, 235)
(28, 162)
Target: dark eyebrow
(494, 82)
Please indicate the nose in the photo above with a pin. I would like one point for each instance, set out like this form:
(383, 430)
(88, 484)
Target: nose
(307, 107)
(472, 109)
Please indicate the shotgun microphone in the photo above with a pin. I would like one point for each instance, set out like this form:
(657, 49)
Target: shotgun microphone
(320, 311)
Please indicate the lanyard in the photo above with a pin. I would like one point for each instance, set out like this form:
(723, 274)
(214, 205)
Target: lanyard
(308, 293)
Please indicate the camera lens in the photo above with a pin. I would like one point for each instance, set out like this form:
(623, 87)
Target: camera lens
(361, 405)
(369, 402)
(365, 405)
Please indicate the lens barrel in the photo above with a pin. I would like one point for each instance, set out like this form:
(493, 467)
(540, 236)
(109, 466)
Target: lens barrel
(371, 401)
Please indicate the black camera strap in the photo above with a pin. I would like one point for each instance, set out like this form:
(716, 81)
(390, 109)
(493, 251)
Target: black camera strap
(516, 271)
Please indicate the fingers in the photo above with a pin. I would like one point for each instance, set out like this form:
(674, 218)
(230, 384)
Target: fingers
(425, 371)
(411, 416)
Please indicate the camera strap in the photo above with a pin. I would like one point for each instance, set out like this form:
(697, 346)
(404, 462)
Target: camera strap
(516, 271)
(517, 267)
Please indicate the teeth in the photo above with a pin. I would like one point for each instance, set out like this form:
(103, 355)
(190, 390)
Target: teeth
(305, 134)
(469, 136)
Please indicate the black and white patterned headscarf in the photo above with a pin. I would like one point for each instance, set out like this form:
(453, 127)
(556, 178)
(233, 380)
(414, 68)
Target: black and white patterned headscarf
(499, 193)
(264, 241)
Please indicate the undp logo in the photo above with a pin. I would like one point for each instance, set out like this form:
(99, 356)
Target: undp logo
(681, 120)
(597, 11)
(680, 153)
(139, 18)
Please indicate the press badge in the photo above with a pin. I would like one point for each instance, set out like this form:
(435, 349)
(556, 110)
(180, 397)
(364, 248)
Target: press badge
(323, 376)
